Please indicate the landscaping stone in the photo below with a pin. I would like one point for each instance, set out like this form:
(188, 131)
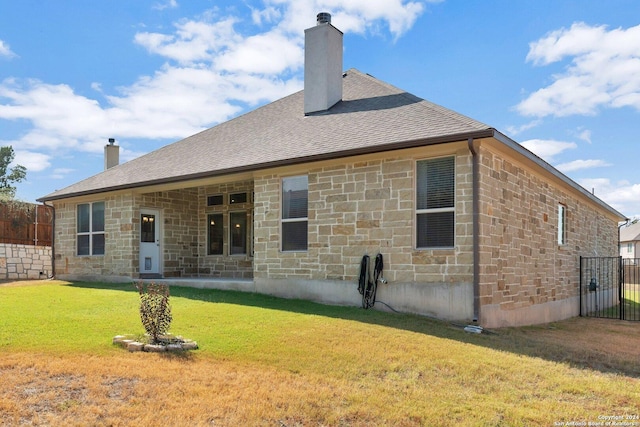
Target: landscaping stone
(135, 346)
(155, 348)
(170, 343)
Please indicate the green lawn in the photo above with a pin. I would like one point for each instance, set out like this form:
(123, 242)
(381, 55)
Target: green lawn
(327, 365)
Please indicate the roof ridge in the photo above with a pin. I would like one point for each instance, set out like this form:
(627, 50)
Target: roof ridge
(402, 92)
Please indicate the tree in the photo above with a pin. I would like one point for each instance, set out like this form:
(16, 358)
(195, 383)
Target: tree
(9, 176)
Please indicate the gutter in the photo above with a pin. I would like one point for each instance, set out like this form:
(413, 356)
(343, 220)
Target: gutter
(476, 230)
(483, 133)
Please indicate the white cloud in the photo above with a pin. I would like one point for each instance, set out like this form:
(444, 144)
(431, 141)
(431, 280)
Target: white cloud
(34, 162)
(581, 164)
(547, 148)
(585, 135)
(515, 130)
(61, 173)
(167, 4)
(604, 71)
(620, 195)
(5, 50)
(212, 71)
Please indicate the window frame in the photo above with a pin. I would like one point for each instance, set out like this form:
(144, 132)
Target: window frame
(438, 210)
(293, 220)
(232, 227)
(209, 218)
(562, 224)
(91, 233)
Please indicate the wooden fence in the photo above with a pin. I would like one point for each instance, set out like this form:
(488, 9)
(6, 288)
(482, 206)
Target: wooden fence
(26, 224)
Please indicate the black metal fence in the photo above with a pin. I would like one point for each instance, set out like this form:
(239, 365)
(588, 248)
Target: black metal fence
(610, 287)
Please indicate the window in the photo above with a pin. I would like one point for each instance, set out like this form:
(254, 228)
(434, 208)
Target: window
(435, 203)
(216, 233)
(629, 248)
(215, 200)
(237, 198)
(294, 213)
(238, 233)
(562, 225)
(90, 228)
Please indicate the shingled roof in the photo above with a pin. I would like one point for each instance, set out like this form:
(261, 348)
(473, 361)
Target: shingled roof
(373, 116)
(630, 233)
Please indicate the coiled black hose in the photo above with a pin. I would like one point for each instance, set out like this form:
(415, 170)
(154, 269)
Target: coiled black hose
(366, 286)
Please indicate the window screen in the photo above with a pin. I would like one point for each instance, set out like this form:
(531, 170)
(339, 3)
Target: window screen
(435, 203)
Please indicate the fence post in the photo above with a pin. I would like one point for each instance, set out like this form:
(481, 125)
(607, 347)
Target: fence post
(581, 277)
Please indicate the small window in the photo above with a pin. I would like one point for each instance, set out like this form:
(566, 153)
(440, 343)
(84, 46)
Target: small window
(562, 225)
(294, 213)
(629, 248)
(236, 198)
(215, 200)
(435, 203)
(238, 233)
(90, 229)
(216, 234)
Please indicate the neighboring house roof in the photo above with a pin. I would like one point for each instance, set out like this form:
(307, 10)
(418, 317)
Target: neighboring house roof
(373, 116)
(630, 233)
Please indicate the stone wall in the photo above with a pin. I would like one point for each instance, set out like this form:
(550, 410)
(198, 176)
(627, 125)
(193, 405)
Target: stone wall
(225, 265)
(526, 276)
(24, 262)
(120, 236)
(366, 206)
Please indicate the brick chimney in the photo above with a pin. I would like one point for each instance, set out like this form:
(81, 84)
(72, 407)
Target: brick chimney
(322, 65)
(111, 154)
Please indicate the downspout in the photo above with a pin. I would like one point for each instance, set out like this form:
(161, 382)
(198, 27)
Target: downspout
(53, 240)
(476, 230)
(620, 228)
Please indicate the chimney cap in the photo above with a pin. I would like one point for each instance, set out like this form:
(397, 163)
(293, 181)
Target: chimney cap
(112, 141)
(323, 18)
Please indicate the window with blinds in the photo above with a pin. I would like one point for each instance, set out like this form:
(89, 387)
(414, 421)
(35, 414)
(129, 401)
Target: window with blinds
(294, 213)
(435, 203)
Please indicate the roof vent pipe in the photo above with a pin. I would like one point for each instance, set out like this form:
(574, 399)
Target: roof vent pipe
(323, 18)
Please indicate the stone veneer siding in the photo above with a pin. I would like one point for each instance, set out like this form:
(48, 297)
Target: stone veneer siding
(362, 207)
(120, 236)
(225, 265)
(24, 262)
(526, 277)
(184, 233)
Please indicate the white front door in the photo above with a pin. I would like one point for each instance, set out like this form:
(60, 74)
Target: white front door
(150, 233)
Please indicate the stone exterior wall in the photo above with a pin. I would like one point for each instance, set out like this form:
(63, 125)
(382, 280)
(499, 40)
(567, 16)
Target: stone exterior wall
(24, 262)
(366, 206)
(225, 265)
(526, 277)
(179, 240)
(121, 236)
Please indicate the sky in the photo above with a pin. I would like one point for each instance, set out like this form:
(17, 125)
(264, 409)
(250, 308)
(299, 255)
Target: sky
(561, 77)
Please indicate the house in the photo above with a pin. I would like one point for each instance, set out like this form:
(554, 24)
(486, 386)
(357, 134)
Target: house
(286, 200)
(630, 240)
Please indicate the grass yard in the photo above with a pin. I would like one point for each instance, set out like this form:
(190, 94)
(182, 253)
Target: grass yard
(274, 362)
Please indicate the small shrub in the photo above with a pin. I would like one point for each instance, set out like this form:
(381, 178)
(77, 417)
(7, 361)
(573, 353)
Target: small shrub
(155, 311)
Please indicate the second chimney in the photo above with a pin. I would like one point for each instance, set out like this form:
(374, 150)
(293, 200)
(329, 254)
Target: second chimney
(111, 154)
(322, 65)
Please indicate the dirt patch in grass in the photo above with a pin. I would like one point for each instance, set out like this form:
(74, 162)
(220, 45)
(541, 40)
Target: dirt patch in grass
(607, 345)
